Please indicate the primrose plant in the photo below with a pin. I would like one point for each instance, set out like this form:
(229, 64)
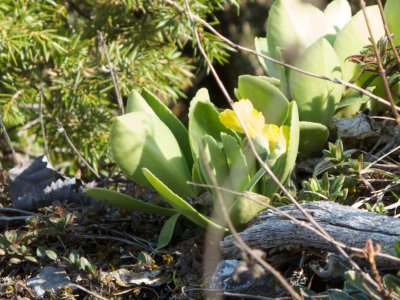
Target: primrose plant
(153, 148)
(321, 42)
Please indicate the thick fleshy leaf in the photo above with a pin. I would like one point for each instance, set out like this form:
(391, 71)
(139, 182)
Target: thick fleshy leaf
(149, 103)
(136, 103)
(316, 98)
(124, 201)
(313, 137)
(213, 159)
(239, 172)
(167, 231)
(179, 204)
(284, 165)
(203, 120)
(261, 45)
(354, 36)
(392, 9)
(265, 97)
(244, 208)
(294, 25)
(337, 14)
(173, 123)
(141, 140)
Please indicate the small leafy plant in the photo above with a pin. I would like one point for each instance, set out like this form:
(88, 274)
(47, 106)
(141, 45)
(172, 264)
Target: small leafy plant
(155, 149)
(328, 49)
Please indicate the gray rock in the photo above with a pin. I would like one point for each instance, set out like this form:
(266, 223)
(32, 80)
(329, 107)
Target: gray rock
(48, 279)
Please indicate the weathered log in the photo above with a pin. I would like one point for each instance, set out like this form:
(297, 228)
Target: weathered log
(353, 227)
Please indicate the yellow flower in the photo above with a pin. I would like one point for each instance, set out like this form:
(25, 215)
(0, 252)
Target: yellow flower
(277, 137)
(251, 118)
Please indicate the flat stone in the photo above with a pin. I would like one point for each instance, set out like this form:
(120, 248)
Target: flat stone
(48, 279)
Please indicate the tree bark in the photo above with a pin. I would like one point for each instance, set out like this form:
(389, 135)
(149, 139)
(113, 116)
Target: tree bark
(353, 227)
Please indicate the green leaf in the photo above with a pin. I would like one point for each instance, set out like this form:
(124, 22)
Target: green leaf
(244, 209)
(173, 123)
(51, 254)
(392, 282)
(167, 231)
(261, 45)
(339, 295)
(337, 14)
(354, 36)
(180, 205)
(124, 201)
(203, 120)
(141, 140)
(238, 170)
(392, 8)
(265, 97)
(292, 25)
(313, 137)
(41, 252)
(285, 163)
(214, 166)
(316, 98)
(136, 103)
(149, 103)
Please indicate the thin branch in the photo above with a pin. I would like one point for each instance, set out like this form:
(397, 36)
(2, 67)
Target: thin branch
(381, 69)
(296, 221)
(113, 72)
(253, 149)
(7, 137)
(388, 35)
(61, 129)
(41, 98)
(254, 52)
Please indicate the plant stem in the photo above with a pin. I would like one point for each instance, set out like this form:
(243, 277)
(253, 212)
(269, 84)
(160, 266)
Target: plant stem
(381, 70)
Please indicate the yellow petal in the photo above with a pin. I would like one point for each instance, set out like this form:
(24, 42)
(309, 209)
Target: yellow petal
(276, 136)
(251, 118)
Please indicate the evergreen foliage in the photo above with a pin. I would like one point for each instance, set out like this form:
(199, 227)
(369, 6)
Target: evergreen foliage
(56, 43)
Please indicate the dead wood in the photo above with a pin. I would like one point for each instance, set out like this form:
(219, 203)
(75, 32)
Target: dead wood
(272, 231)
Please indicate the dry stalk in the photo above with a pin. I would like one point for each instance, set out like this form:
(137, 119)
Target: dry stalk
(388, 35)
(251, 144)
(114, 75)
(7, 137)
(41, 98)
(381, 69)
(61, 129)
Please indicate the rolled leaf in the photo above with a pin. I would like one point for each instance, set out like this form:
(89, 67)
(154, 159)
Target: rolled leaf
(285, 164)
(239, 172)
(203, 120)
(316, 98)
(141, 140)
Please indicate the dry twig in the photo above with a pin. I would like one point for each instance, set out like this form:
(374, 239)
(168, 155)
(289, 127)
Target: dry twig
(381, 69)
(114, 75)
